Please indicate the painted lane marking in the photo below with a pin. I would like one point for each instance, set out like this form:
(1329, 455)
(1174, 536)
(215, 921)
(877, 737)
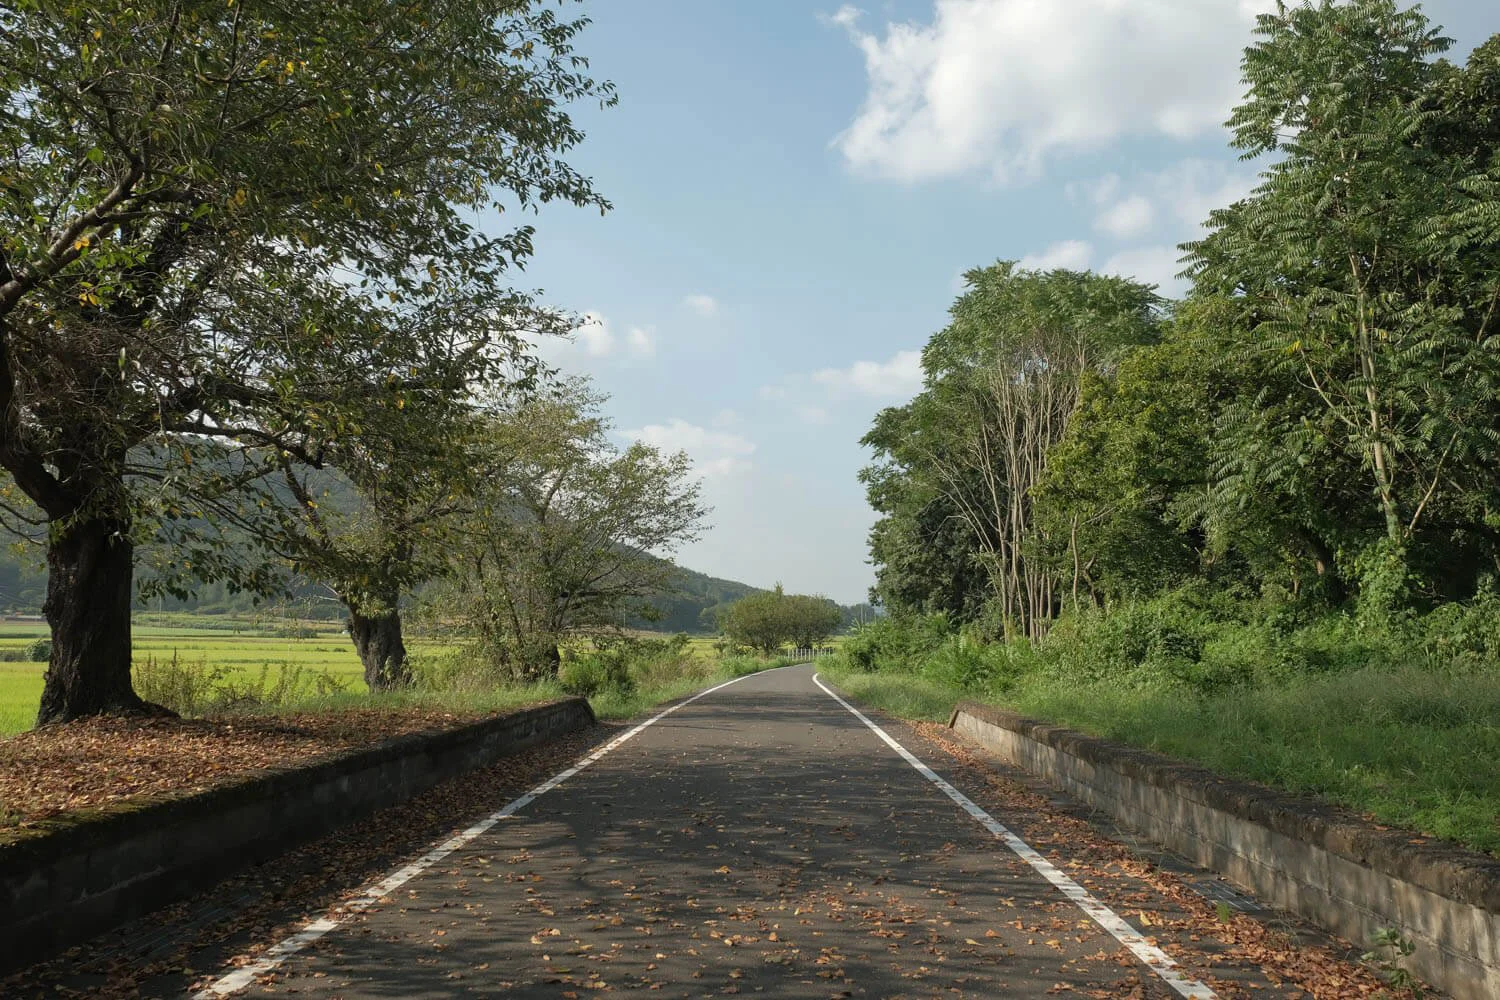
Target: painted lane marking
(312, 930)
(1153, 957)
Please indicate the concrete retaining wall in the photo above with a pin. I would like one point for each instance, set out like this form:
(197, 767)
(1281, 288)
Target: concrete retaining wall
(1337, 870)
(59, 890)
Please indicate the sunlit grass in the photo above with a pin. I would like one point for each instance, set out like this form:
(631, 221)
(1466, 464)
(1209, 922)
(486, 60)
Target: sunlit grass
(1417, 748)
(258, 658)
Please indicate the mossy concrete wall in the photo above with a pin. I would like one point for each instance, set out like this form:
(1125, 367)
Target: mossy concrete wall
(63, 888)
(1339, 871)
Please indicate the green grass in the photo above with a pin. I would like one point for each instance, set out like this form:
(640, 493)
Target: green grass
(907, 696)
(257, 659)
(1416, 748)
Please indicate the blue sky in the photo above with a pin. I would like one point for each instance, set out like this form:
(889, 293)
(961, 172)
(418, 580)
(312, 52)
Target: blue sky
(798, 185)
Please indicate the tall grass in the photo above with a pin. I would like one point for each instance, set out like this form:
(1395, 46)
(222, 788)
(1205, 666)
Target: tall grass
(1401, 723)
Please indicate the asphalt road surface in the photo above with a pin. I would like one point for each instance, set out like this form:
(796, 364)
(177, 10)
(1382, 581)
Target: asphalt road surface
(760, 839)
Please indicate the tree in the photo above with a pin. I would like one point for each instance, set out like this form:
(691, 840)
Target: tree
(561, 542)
(1002, 383)
(770, 619)
(758, 621)
(1362, 277)
(924, 554)
(209, 214)
(1115, 507)
(383, 518)
(811, 619)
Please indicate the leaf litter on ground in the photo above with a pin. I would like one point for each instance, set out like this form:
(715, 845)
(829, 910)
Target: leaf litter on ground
(54, 774)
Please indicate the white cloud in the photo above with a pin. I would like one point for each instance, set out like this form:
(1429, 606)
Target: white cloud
(810, 414)
(595, 342)
(594, 337)
(996, 86)
(715, 453)
(641, 342)
(704, 305)
(898, 378)
(1156, 265)
(1071, 254)
(1191, 189)
(1127, 218)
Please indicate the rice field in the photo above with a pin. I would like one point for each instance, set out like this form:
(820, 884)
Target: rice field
(242, 648)
(245, 653)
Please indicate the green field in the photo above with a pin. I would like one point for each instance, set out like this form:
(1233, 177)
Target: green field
(257, 655)
(243, 655)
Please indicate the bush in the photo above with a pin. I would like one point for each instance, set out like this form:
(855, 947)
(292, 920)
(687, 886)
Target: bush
(186, 688)
(896, 644)
(40, 651)
(595, 672)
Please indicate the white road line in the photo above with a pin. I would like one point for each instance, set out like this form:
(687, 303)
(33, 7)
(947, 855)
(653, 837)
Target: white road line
(311, 931)
(1159, 961)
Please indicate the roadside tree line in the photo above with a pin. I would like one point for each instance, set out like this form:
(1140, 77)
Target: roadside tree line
(250, 322)
(1316, 423)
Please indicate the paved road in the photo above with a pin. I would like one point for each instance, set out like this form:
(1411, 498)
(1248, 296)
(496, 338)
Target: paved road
(760, 840)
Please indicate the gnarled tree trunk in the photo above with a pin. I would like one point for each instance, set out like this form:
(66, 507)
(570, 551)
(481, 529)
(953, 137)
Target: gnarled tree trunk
(377, 639)
(89, 574)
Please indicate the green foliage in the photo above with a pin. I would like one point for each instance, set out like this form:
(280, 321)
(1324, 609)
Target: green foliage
(558, 543)
(1313, 429)
(200, 688)
(769, 620)
(595, 672)
(1389, 951)
(40, 651)
(1358, 301)
(1398, 723)
(959, 464)
(222, 251)
(895, 643)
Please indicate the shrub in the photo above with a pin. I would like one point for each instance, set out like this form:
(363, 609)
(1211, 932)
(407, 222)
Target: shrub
(196, 688)
(597, 671)
(897, 644)
(40, 651)
(186, 688)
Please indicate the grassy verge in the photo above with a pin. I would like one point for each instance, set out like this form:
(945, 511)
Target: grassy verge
(1413, 747)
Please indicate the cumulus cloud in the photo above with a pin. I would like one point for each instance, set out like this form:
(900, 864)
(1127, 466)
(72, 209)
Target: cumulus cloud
(594, 336)
(595, 342)
(898, 378)
(1155, 265)
(1071, 254)
(1190, 189)
(715, 453)
(995, 87)
(704, 305)
(1127, 218)
(640, 342)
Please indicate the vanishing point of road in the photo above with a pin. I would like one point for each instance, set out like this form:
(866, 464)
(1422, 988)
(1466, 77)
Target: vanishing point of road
(761, 838)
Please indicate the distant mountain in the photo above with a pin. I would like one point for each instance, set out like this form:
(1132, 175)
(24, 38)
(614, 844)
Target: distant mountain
(691, 605)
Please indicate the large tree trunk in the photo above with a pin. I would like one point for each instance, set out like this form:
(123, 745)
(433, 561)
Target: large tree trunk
(89, 576)
(377, 639)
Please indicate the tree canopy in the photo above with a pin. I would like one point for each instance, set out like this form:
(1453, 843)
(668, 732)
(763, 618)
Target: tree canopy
(1317, 421)
(224, 231)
